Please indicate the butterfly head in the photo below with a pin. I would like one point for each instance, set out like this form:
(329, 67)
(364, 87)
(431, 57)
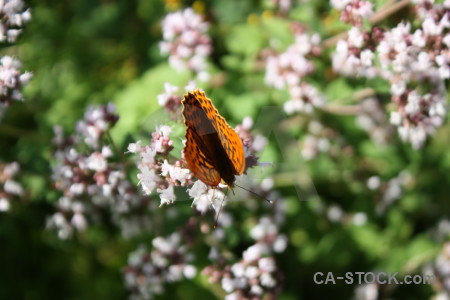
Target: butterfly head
(228, 179)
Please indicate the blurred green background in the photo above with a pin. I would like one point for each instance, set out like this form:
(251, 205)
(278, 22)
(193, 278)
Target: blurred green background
(91, 52)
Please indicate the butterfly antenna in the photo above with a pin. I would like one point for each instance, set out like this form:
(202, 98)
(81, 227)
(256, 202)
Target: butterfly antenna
(252, 192)
(218, 213)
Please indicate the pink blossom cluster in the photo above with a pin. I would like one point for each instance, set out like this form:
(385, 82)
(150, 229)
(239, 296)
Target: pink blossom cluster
(286, 70)
(9, 188)
(418, 115)
(415, 62)
(353, 11)
(256, 275)
(186, 42)
(158, 171)
(148, 271)
(372, 118)
(11, 82)
(318, 140)
(170, 100)
(13, 17)
(90, 180)
(355, 55)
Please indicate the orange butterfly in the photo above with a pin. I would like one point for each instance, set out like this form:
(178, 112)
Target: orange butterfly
(213, 150)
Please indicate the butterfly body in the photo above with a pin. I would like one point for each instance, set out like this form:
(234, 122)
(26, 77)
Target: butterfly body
(213, 150)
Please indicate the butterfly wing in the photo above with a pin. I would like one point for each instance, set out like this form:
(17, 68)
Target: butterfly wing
(230, 140)
(197, 161)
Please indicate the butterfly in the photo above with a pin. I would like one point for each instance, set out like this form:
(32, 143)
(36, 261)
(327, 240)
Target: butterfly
(213, 150)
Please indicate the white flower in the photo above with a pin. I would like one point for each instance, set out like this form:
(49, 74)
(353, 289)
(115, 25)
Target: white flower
(266, 264)
(167, 196)
(373, 182)
(398, 88)
(189, 271)
(232, 296)
(340, 4)
(366, 9)
(251, 272)
(359, 219)
(280, 243)
(205, 197)
(135, 147)
(254, 252)
(238, 269)
(164, 130)
(97, 162)
(256, 290)
(191, 86)
(430, 27)
(355, 37)
(13, 187)
(227, 284)
(167, 245)
(147, 179)
(186, 42)
(367, 57)
(396, 118)
(79, 221)
(147, 155)
(267, 280)
(335, 213)
(175, 173)
(4, 204)
(418, 38)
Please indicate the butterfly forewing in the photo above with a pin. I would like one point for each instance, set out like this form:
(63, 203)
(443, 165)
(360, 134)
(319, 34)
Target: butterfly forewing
(213, 149)
(197, 161)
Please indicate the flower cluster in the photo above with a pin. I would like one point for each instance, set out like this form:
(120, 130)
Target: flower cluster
(318, 140)
(155, 170)
(9, 188)
(411, 61)
(206, 197)
(12, 16)
(168, 262)
(372, 118)
(287, 69)
(186, 42)
(418, 115)
(170, 100)
(353, 11)
(89, 180)
(11, 82)
(355, 56)
(255, 276)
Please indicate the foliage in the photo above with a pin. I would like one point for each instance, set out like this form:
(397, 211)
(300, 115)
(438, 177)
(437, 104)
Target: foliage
(352, 120)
